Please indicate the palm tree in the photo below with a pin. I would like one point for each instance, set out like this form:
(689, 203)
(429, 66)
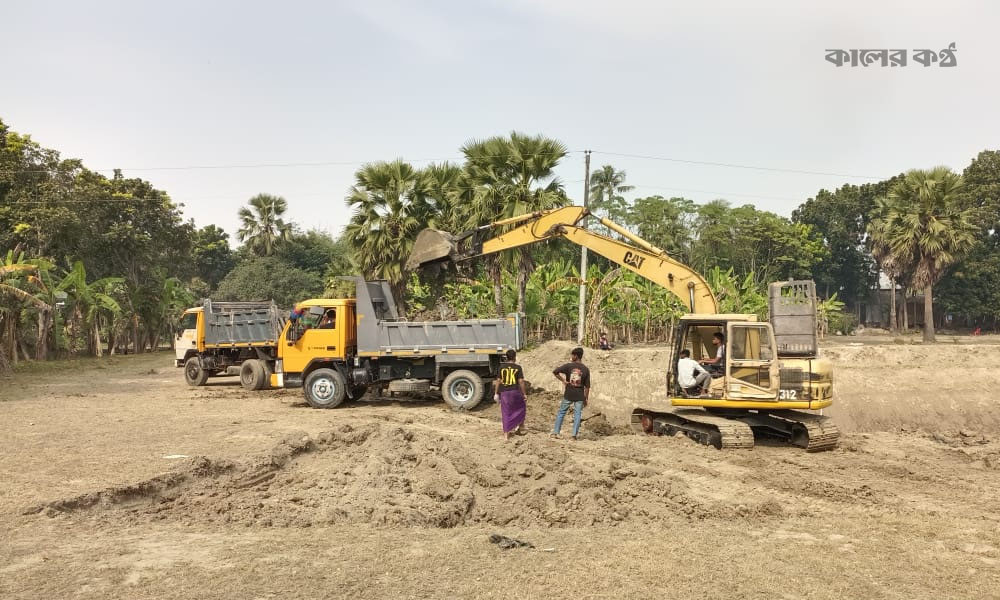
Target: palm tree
(390, 207)
(262, 227)
(928, 226)
(878, 240)
(606, 188)
(445, 186)
(512, 176)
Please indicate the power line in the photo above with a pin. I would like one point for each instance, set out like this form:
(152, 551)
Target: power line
(347, 163)
(719, 194)
(737, 166)
(332, 163)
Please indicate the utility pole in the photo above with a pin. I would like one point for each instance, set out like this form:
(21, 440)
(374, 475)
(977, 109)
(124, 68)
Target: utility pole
(583, 255)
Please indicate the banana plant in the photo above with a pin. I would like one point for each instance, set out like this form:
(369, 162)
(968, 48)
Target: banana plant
(88, 303)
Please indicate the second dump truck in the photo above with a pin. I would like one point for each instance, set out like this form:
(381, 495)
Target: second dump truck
(339, 348)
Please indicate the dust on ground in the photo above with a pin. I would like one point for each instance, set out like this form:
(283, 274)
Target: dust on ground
(122, 482)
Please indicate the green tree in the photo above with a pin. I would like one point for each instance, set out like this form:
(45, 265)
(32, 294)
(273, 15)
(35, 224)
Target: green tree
(262, 227)
(841, 218)
(665, 223)
(446, 190)
(971, 289)
(928, 224)
(748, 240)
(269, 278)
(512, 176)
(211, 255)
(389, 203)
(313, 251)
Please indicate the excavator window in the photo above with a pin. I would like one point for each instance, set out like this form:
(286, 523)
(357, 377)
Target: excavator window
(750, 354)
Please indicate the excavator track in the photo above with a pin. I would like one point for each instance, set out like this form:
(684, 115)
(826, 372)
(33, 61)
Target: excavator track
(735, 429)
(815, 433)
(700, 426)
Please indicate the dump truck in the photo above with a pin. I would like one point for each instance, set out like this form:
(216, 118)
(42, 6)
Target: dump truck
(336, 349)
(771, 382)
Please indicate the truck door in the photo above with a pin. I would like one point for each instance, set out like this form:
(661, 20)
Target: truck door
(751, 363)
(319, 336)
(187, 335)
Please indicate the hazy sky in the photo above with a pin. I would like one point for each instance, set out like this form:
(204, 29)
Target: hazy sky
(149, 85)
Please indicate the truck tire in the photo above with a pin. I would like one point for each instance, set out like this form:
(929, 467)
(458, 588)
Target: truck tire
(325, 388)
(252, 375)
(462, 389)
(194, 375)
(265, 384)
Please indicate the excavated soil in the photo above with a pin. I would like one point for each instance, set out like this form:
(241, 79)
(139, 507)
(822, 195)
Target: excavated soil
(121, 482)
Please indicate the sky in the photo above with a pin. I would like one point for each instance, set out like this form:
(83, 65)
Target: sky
(215, 102)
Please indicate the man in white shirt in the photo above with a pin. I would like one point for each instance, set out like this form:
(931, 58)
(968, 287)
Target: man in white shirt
(686, 369)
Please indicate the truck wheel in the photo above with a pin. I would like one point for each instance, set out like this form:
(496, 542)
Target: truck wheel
(325, 388)
(265, 383)
(462, 389)
(251, 374)
(193, 373)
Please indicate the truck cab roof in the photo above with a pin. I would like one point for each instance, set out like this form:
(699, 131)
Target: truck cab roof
(722, 317)
(325, 302)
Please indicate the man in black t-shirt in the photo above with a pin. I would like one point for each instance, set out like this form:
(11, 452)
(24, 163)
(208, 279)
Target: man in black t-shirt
(575, 377)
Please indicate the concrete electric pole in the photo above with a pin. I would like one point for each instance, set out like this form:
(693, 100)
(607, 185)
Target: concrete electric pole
(583, 254)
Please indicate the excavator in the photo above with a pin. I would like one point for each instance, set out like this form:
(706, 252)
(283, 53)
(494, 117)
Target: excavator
(771, 382)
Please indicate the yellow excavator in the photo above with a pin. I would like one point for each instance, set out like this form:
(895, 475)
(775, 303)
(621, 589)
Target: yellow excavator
(770, 380)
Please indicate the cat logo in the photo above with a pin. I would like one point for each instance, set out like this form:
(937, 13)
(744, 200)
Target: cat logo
(634, 260)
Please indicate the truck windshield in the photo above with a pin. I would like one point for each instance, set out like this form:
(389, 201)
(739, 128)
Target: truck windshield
(189, 321)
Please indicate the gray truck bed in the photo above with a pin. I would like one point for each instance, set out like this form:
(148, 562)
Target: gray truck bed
(242, 323)
(380, 330)
(496, 335)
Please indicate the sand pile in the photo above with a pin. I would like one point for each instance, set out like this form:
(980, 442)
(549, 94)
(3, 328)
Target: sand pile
(394, 474)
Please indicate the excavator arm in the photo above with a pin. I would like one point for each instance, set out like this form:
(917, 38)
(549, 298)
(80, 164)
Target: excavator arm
(643, 258)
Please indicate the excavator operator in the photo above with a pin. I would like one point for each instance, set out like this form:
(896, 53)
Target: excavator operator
(717, 365)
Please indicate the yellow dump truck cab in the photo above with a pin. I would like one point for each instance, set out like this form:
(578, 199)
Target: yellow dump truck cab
(186, 340)
(335, 349)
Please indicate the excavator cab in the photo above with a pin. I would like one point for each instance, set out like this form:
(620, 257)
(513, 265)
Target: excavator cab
(749, 370)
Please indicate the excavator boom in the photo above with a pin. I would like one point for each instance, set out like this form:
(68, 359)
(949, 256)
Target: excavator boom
(643, 258)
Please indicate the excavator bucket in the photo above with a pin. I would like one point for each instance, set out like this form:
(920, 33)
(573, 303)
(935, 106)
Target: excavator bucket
(431, 246)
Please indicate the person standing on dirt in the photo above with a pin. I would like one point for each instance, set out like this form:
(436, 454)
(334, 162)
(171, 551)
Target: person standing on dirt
(686, 378)
(510, 390)
(575, 377)
(717, 365)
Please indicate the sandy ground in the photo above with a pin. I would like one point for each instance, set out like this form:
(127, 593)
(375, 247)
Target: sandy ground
(121, 482)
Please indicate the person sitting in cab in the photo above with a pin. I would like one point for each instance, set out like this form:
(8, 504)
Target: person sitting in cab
(329, 319)
(717, 365)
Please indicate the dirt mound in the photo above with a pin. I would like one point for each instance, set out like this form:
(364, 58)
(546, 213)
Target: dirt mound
(394, 474)
(886, 387)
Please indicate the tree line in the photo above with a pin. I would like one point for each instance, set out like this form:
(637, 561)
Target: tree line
(95, 264)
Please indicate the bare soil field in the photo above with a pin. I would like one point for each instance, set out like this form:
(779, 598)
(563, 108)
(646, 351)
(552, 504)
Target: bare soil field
(119, 481)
